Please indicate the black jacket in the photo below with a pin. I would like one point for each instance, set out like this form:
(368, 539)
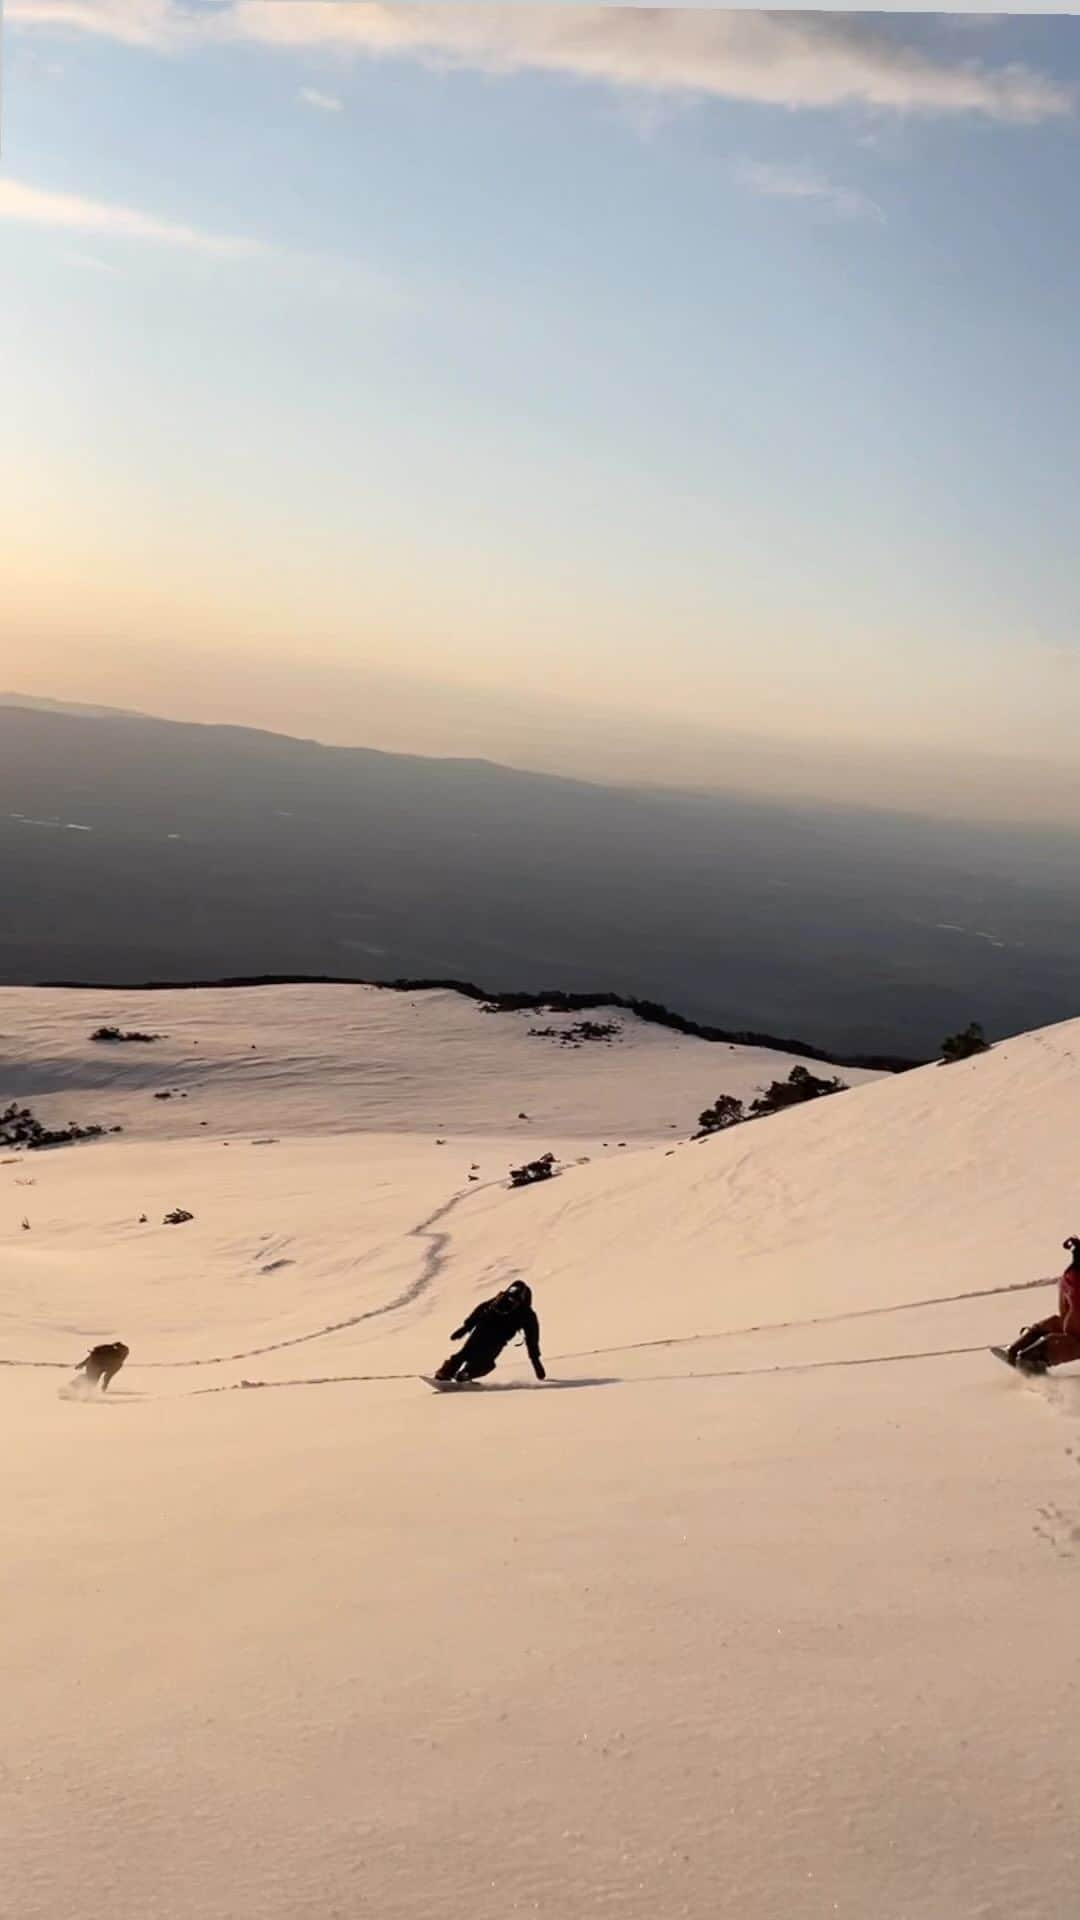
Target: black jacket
(494, 1323)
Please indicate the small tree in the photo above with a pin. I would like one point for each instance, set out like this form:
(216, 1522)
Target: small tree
(961, 1046)
(800, 1085)
(724, 1112)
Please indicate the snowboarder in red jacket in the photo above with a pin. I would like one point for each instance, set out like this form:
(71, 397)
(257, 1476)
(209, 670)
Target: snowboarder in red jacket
(1052, 1342)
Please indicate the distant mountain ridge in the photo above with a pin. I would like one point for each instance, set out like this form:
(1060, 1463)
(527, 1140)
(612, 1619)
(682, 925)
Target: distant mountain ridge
(39, 703)
(241, 731)
(136, 849)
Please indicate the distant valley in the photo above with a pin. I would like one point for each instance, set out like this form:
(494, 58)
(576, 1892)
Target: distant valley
(134, 849)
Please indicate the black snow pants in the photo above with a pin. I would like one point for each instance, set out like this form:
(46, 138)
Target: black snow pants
(476, 1358)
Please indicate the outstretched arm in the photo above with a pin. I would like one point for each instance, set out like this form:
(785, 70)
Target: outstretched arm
(531, 1330)
(471, 1321)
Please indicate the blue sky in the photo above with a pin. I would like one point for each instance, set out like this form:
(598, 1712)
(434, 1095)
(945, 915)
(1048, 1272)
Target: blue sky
(658, 396)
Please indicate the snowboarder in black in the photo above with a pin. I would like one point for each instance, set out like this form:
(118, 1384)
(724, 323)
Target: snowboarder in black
(490, 1327)
(103, 1363)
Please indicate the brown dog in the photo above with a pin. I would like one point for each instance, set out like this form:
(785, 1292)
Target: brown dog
(103, 1363)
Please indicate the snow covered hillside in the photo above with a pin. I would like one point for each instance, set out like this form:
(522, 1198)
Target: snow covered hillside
(348, 1059)
(760, 1606)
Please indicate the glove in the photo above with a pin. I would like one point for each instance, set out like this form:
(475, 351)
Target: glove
(539, 1371)
(458, 1333)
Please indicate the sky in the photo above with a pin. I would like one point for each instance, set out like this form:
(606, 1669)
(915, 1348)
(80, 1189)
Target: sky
(681, 397)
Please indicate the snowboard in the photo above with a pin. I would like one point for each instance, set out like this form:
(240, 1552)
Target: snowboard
(1026, 1373)
(447, 1386)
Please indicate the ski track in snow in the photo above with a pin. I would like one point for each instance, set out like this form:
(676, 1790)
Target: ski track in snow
(435, 1259)
(635, 1380)
(433, 1263)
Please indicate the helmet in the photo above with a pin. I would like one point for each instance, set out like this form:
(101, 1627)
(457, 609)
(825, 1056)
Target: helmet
(519, 1293)
(1070, 1245)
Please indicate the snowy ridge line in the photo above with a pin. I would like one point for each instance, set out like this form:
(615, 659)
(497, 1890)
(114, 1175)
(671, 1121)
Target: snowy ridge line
(555, 1000)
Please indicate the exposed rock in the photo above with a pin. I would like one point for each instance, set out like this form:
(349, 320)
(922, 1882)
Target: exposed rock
(533, 1170)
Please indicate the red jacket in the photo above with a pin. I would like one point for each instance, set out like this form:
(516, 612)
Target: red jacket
(1069, 1300)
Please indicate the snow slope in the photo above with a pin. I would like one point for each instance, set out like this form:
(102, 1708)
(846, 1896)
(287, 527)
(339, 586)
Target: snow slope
(762, 1606)
(336, 1059)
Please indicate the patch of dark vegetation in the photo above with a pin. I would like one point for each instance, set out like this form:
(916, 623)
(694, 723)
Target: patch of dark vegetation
(801, 1085)
(579, 1033)
(113, 1035)
(726, 1111)
(964, 1046)
(557, 1002)
(20, 1127)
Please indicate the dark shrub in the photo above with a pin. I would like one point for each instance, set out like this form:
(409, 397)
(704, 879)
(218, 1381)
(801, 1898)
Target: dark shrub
(724, 1112)
(800, 1085)
(19, 1127)
(961, 1046)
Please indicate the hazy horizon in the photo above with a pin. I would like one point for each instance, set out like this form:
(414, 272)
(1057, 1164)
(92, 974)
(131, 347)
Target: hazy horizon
(754, 769)
(141, 849)
(667, 398)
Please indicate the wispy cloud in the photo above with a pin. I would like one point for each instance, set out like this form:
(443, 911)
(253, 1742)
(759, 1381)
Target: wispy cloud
(315, 275)
(87, 262)
(804, 183)
(648, 114)
(322, 102)
(791, 60)
(138, 23)
(35, 206)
